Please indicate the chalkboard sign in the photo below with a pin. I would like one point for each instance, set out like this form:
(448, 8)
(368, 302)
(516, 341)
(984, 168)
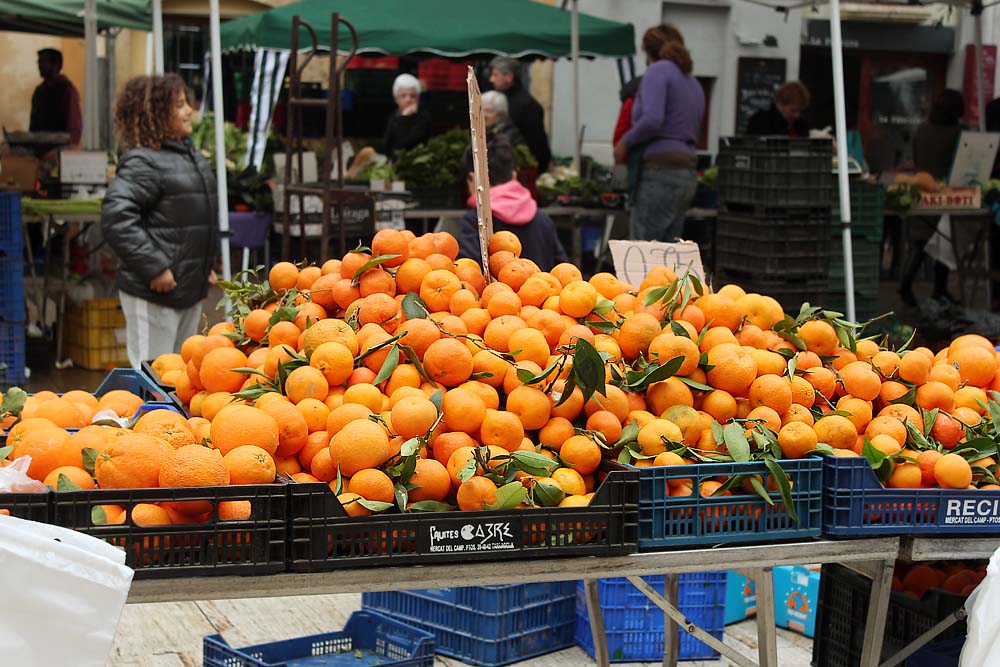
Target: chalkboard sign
(756, 81)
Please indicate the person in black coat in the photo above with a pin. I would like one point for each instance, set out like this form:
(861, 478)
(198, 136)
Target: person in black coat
(409, 125)
(160, 217)
(784, 118)
(525, 112)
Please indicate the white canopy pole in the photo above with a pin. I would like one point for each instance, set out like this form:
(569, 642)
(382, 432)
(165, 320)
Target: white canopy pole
(90, 86)
(149, 53)
(575, 54)
(220, 140)
(977, 17)
(158, 37)
(844, 187)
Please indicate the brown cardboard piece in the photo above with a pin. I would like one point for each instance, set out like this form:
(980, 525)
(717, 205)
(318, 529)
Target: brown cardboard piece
(484, 214)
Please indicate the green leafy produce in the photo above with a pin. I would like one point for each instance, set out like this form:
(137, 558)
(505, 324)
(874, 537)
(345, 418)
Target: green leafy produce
(708, 177)
(523, 157)
(902, 197)
(436, 163)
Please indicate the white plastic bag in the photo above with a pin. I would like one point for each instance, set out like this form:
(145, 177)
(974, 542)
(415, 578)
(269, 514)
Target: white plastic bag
(61, 595)
(982, 645)
(14, 478)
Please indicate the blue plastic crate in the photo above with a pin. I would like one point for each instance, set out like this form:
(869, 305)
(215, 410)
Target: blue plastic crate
(855, 504)
(11, 353)
(634, 625)
(380, 639)
(137, 382)
(489, 631)
(938, 654)
(671, 521)
(11, 288)
(11, 227)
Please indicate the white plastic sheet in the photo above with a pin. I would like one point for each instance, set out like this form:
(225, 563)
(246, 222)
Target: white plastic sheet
(61, 595)
(982, 645)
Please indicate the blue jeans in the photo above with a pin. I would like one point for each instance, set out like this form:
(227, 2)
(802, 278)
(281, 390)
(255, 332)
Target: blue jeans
(662, 200)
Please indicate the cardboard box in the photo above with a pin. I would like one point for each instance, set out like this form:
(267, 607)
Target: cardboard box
(83, 167)
(796, 599)
(18, 172)
(741, 598)
(957, 198)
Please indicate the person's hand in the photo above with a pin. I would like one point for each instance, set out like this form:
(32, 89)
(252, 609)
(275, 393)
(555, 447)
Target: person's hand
(620, 152)
(409, 110)
(213, 279)
(164, 282)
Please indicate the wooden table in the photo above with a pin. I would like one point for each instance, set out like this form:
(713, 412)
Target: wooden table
(872, 557)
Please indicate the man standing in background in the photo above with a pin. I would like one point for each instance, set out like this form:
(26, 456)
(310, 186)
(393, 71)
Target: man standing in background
(525, 112)
(55, 105)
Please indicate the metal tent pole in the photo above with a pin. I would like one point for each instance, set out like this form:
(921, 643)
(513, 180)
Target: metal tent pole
(158, 37)
(575, 54)
(90, 85)
(977, 16)
(220, 141)
(844, 188)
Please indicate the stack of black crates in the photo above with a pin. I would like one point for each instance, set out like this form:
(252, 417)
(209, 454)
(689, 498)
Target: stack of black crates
(12, 313)
(867, 209)
(773, 231)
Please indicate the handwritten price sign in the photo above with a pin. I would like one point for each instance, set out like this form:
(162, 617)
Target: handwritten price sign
(634, 259)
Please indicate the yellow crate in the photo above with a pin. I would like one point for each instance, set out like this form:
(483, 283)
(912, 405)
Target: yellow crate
(97, 313)
(91, 337)
(97, 358)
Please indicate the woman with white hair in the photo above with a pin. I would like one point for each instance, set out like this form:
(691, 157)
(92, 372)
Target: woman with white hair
(409, 125)
(496, 116)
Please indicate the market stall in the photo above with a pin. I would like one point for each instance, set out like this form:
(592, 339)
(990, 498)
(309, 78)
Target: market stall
(442, 28)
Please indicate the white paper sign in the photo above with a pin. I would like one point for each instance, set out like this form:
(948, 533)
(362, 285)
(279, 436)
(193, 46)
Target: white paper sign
(634, 259)
(974, 158)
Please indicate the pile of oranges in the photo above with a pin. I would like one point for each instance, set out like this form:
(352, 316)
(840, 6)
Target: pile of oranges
(403, 377)
(957, 578)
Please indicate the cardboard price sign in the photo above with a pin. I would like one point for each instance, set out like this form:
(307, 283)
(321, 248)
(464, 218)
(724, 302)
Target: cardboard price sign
(634, 259)
(484, 214)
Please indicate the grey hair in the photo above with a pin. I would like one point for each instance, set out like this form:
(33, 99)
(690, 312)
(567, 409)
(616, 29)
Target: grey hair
(506, 65)
(498, 101)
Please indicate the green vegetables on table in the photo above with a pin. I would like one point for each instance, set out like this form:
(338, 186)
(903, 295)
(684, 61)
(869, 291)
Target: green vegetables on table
(434, 164)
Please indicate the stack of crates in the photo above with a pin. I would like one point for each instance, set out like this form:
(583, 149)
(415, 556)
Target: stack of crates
(487, 626)
(867, 208)
(773, 230)
(12, 307)
(94, 334)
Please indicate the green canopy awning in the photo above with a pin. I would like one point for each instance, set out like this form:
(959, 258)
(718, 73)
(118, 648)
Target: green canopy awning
(452, 28)
(65, 17)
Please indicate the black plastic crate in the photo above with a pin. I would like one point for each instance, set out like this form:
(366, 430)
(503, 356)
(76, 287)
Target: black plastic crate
(322, 537)
(30, 506)
(214, 547)
(11, 287)
(774, 171)
(867, 209)
(843, 610)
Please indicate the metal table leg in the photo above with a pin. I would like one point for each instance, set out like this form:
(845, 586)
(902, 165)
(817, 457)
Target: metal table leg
(878, 609)
(671, 633)
(767, 645)
(597, 623)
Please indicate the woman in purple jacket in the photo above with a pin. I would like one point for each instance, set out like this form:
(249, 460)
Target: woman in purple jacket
(660, 146)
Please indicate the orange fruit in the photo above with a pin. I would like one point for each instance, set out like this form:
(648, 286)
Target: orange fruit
(819, 337)
(773, 391)
(132, 461)
(836, 431)
(293, 429)
(237, 425)
(194, 465)
(720, 311)
(358, 445)
(720, 405)
(529, 404)
(952, 471)
(636, 334)
(733, 369)
(431, 480)
(976, 366)
(349, 501)
(502, 429)
(651, 436)
(581, 453)
(860, 381)
(391, 242)
(578, 299)
(283, 276)
(414, 416)
(373, 484)
(448, 362)
(887, 425)
(667, 346)
(478, 493)
(927, 460)
(74, 475)
(796, 440)
(464, 410)
(935, 395)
